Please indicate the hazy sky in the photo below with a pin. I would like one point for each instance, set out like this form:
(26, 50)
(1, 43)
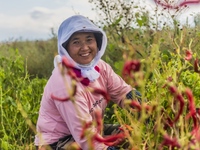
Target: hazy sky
(33, 19)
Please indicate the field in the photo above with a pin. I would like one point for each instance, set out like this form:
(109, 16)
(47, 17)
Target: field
(162, 64)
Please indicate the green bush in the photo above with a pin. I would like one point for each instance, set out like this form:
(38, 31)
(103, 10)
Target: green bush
(20, 99)
(38, 56)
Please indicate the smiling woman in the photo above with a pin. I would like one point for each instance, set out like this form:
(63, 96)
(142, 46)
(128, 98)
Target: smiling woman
(82, 47)
(74, 100)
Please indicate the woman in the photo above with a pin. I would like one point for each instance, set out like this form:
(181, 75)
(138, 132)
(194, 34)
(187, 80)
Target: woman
(82, 44)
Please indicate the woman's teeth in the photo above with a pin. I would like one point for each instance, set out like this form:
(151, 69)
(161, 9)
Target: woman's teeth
(85, 54)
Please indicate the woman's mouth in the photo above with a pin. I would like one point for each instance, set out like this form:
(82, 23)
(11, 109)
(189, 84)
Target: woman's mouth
(84, 55)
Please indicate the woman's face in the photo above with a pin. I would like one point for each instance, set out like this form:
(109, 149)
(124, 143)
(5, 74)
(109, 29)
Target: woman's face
(82, 47)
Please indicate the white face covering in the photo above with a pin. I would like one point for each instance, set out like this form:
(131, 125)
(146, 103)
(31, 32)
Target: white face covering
(78, 23)
(91, 73)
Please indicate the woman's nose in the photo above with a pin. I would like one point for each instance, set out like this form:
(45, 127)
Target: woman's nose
(84, 45)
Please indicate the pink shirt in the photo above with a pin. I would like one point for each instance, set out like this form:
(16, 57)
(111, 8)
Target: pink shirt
(60, 118)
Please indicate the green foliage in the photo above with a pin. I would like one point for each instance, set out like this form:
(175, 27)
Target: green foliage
(20, 99)
(192, 80)
(161, 54)
(154, 80)
(37, 55)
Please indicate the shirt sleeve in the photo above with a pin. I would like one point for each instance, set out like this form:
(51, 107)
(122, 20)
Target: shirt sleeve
(74, 114)
(116, 86)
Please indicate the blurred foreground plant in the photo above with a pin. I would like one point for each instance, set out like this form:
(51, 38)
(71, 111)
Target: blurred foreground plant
(168, 117)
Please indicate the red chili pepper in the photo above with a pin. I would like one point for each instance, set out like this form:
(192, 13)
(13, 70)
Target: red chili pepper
(188, 55)
(196, 133)
(59, 98)
(176, 6)
(192, 111)
(168, 141)
(102, 92)
(180, 98)
(66, 98)
(75, 73)
(66, 63)
(173, 89)
(72, 74)
(85, 127)
(182, 103)
(189, 2)
(170, 122)
(136, 104)
(109, 140)
(129, 66)
(98, 118)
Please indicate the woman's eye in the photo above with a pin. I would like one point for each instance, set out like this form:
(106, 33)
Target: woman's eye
(76, 42)
(89, 40)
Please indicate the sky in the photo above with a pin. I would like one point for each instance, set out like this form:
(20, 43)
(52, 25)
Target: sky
(33, 19)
